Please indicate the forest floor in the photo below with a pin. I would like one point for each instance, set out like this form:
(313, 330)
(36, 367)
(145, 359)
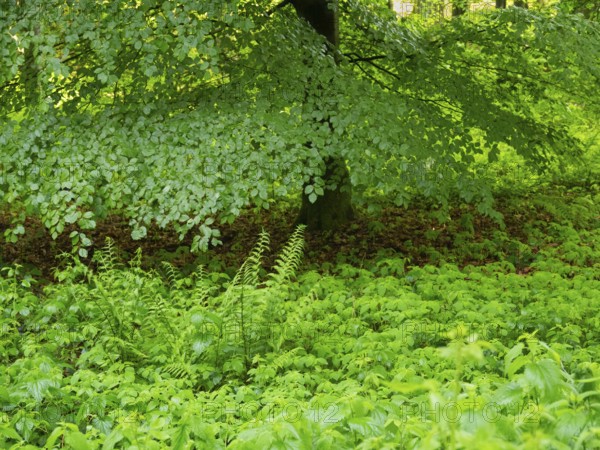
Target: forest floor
(413, 233)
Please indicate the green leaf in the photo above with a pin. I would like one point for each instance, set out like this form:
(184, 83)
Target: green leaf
(7, 431)
(510, 367)
(112, 439)
(85, 241)
(77, 440)
(546, 377)
(139, 233)
(54, 436)
(181, 438)
(72, 217)
(508, 394)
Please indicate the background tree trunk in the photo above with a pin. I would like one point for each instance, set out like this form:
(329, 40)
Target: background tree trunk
(334, 208)
(500, 4)
(521, 4)
(459, 7)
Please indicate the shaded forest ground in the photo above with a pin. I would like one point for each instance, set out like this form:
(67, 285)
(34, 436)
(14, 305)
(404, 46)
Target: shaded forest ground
(414, 233)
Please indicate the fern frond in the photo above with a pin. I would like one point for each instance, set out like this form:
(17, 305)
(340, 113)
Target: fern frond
(200, 273)
(254, 310)
(290, 257)
(201, 290)
(157, 316)
(106, 257)
(248, 274)
(136, 261)
(179, 370)
(172, 275)
(125, 348)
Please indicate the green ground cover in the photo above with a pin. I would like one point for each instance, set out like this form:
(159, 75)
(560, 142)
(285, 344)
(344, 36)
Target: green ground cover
(373, 354)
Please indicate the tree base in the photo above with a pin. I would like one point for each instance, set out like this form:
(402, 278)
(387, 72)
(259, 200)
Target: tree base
(334, 207)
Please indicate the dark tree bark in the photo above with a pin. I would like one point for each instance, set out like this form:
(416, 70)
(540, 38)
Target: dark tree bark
(320, 14)
(459, 8)
(521, 4)
(500, 4)
(334, 208)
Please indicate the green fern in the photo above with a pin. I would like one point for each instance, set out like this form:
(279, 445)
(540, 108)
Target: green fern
(106, 257)
(580, 210)
(157, 315)
(248, 274)
(126, 349)
(142, 315)
(253, 309)
(136, 261)
(290, 257)
(201, 291)
(241, 304)
(172, 275)
(284, 270)
(179, 370)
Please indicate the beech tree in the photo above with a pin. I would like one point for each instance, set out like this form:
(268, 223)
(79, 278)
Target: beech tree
(185, 113)
(459, 7)
(334, 206)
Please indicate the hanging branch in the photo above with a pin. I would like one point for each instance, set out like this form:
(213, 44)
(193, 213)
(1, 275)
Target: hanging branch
(278, 6)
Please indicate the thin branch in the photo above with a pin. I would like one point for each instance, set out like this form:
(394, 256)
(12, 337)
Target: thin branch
(524, 75)
(9, 84)
(391, 89)
(358, 58)
(278, 6)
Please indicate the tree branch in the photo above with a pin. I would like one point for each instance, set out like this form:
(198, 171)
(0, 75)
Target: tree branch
(357, 58)
(278, 6)
(384, 86)
(524, 75)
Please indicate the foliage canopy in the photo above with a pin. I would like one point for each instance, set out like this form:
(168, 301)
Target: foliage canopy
(183, 113)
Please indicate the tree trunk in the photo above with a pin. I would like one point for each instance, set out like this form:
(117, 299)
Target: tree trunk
(458, 8)
(521, 4)
(334, 208)
(500, 4)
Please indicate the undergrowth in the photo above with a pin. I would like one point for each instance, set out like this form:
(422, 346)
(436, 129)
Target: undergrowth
(378, 355)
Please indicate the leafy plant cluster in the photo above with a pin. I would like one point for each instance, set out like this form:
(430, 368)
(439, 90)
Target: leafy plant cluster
(182, 114)
(378, 356)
